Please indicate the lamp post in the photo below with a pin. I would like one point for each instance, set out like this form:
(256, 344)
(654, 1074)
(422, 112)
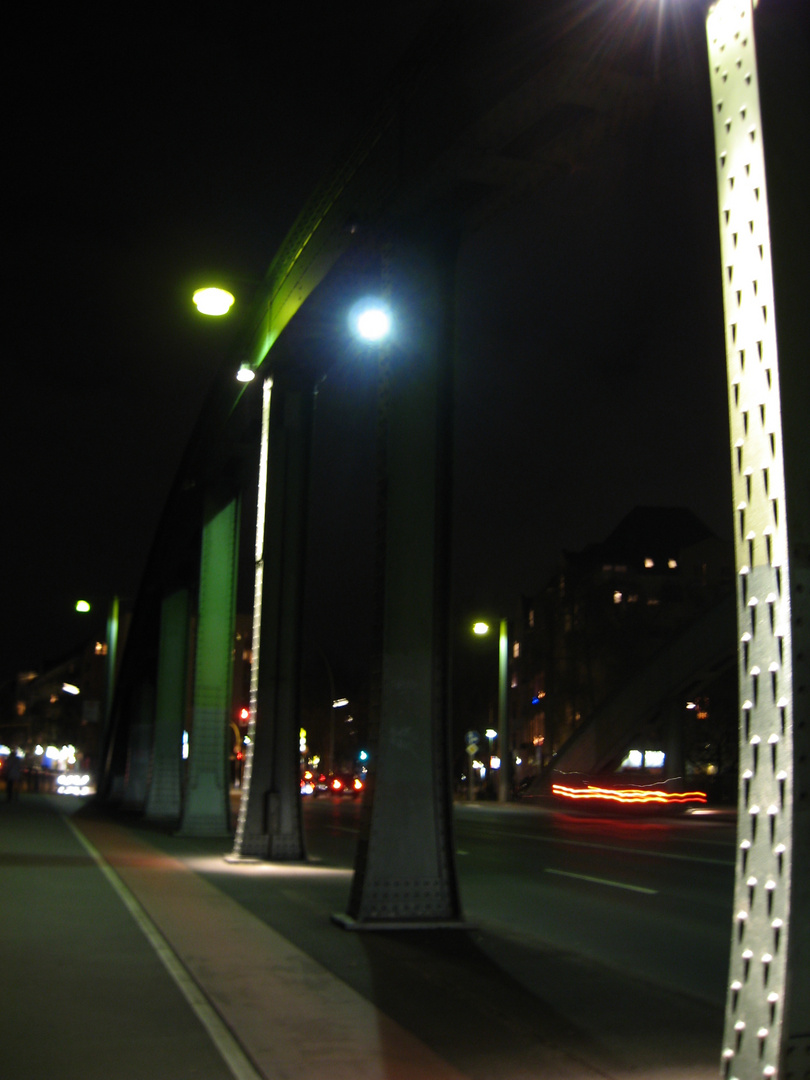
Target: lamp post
(277, 619)
(337, 703)
(481, 629)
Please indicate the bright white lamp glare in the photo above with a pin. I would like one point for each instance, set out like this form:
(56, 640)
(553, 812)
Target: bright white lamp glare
(245, 373)
(371, 320)
(480, 628)
(213, 301)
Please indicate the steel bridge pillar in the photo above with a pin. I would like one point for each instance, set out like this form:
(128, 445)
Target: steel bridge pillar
(405, 872)
(764, 244)
(206, 811)
(139, 746)
(270, 824)
(164, 800)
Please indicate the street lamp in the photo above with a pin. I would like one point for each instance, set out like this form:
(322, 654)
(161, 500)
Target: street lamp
(370, 319)
(213, 301)
(481, 629)
(337, 703)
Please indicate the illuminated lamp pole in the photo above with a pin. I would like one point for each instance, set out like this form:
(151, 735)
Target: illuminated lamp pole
(206, 809)
(482, 628)
(768, 1004)
(270, 824)
(405, 875)
(83, 607)
(165, 796)
(337, 703)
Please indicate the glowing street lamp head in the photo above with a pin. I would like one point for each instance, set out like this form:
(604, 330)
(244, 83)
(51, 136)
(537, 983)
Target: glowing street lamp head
(480, 628)
(82, 606)
(245, 373)
(213, 301)
(371, 320)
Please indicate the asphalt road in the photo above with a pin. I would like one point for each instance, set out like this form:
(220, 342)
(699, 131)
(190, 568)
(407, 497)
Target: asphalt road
(650, 897)
(607, 936)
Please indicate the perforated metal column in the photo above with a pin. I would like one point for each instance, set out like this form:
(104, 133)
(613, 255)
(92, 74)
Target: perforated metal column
(206, 811)
(766, 1034)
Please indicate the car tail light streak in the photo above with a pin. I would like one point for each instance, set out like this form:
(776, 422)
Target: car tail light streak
(633, 796)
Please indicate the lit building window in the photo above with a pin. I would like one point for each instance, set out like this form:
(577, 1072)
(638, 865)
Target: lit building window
(516, 649)
(649, 563)
(617, 597)
(514, 682)
(673, 564)
(531, 618)
(101, 648)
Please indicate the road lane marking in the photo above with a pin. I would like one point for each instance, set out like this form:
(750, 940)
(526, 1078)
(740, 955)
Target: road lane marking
(617, 849)
(235, 1058)
(603, 881)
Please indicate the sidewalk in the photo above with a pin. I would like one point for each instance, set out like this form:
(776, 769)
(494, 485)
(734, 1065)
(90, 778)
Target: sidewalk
(130, 962)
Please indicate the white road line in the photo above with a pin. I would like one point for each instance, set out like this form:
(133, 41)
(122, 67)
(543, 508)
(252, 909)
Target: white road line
(231, 1052)
(617, 849)
(603, 881)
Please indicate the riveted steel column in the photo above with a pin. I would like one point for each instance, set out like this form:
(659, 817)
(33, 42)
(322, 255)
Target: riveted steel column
(139, 747)
(207, 810)
(767, 1031)
(405, 872)
(270, 824)
(164, 801)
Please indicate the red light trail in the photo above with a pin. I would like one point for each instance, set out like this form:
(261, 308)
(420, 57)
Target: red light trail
(628, 795)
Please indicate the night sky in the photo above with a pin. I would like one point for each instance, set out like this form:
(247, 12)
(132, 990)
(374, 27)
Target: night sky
(151, 154)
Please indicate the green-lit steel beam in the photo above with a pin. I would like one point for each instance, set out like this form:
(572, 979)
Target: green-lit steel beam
(164, 800)
(206, 811)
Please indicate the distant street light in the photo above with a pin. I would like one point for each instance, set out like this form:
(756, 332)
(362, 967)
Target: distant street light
(213, 301)
(82, 606)
(337, 703)
(245, 373)
(481, 628)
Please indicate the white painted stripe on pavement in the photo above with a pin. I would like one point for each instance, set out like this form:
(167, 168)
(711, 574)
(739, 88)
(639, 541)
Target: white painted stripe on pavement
(616, 849)
(231, 1052)
(603, 881)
